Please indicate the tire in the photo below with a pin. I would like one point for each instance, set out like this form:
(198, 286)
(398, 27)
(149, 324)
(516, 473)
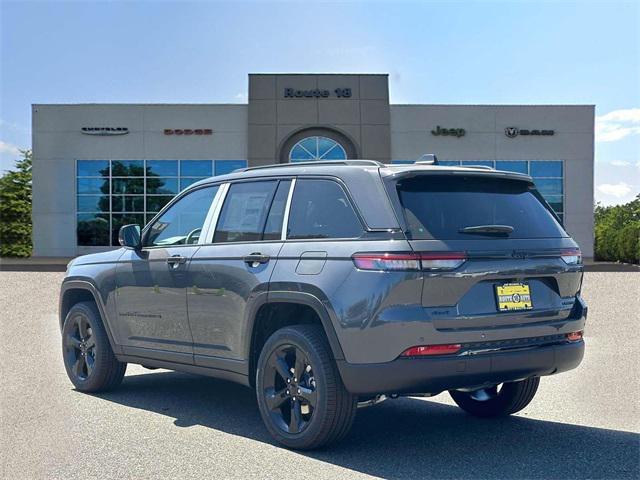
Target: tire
(314, 409)
(511, 398)
(87, 354)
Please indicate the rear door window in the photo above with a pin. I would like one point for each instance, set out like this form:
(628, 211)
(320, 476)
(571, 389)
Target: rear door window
(440, 207)
(244, 212)
(321, 209)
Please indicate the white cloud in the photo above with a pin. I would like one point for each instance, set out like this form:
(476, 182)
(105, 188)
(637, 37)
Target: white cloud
(620, 163)
(617, 190)
(241, 96)
(8, 149)
(618, 124)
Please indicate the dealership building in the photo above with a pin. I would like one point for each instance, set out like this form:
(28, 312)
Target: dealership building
(99, 166)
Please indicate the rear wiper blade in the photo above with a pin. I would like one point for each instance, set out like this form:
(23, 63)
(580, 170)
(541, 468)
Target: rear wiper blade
(489, 229)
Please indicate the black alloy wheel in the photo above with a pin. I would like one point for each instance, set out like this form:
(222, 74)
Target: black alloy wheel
(300, 393)
(290, 389)
(80, 347)
(88, 357)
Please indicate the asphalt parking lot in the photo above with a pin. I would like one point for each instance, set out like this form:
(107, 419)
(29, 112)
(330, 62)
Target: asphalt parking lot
(160, 424)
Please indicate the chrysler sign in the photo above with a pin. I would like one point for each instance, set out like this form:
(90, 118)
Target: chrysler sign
(104, 131)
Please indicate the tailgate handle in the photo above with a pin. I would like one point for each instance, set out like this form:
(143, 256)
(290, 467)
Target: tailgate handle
(256, 259)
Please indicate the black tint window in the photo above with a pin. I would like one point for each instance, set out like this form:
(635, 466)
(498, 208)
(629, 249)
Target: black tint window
(439, 207)
(321, 209)
(244, 212)
(273, 228)
(183, 222)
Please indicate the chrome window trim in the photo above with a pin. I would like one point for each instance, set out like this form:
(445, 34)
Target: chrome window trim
(287, 208)
(212, 216)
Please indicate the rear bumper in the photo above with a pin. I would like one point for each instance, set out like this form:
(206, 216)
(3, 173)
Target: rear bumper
(434, 375)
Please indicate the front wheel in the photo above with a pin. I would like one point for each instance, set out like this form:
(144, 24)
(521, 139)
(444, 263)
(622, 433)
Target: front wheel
(498, 400)
(88, 357)
(301, 398)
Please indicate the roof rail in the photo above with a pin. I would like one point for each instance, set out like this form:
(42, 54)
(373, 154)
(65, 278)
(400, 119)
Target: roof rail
(372, 163)
(479, 167)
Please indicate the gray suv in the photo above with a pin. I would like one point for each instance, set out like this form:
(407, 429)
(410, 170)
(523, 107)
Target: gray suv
(331, 285)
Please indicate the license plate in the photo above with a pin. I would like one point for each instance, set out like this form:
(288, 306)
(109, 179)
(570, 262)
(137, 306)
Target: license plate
(513, 296)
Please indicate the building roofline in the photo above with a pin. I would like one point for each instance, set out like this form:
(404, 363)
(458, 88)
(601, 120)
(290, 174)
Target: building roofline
(492, 105)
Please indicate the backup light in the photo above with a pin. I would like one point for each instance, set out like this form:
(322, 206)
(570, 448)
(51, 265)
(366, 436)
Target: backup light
(442, 260)
(571, 256)
(426, 350)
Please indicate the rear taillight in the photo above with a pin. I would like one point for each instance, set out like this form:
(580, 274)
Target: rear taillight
(409, 261)
(387, 261)
(571, 256)
(425, 350)
(442, 260)
(574, 336)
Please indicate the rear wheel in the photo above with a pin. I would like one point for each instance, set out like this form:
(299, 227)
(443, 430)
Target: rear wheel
(301, 398)
(498, 400)
(88, 357)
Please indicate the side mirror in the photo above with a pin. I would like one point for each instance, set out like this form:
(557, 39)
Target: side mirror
(129, 236)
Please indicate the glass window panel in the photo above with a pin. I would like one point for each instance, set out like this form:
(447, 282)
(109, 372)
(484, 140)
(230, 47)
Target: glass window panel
(227, 166)
(449, 163)
(185, 182)
(311, 145)
(162, 168)
(561, 217)
(126, 185)
(517, 166)
(273, 227)
(162, 186)
(324, 145)
(546, 169)
(320, 209)
(92, 229)
(127, 168)
(336, 153)
(555, 201)
(182, 223)
(549, 186)
(156, 202)
(244, 212)
(92, 168)
(92, 185)
(299, 154)
(469, 163)
(127, 203)
(196, 168)
(120, 219)
(93, 203)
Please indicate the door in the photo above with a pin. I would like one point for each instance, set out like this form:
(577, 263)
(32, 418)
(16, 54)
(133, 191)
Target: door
(151, 295)
(233, 268)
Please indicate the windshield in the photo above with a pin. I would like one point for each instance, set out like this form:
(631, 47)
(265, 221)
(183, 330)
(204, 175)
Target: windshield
(448, 207)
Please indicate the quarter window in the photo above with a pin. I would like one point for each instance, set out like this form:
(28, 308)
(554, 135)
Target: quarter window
(244, 212)
(182, 223)
(321, 209)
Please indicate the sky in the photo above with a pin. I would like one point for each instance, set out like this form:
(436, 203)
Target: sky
(542, 52)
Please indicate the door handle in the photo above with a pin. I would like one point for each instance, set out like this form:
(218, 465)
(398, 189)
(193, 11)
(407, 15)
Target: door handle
(256, 259)
(176, 260)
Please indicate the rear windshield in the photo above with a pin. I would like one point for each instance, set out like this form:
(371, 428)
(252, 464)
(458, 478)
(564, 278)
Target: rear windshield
(439, 207)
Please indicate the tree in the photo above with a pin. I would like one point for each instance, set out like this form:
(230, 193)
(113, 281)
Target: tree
(617, 232)
(15, 209)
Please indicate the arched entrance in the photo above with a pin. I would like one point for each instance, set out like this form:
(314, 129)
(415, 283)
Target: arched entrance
(317, 144)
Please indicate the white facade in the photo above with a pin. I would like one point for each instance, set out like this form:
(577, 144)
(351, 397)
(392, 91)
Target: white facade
(251, 133)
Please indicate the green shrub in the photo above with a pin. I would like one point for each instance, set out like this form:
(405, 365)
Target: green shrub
(617, 232)
(15, 209)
